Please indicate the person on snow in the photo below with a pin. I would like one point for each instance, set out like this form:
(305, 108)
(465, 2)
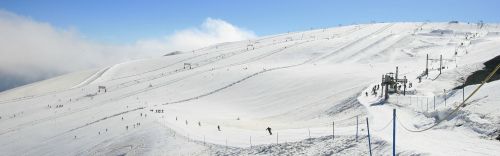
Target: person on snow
(366, 93)
(269, 130)
(218, 127)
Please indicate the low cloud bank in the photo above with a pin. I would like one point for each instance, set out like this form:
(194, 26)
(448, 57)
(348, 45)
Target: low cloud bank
(32, 50)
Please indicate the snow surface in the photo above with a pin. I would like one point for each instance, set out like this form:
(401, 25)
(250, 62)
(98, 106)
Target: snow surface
(297, 83)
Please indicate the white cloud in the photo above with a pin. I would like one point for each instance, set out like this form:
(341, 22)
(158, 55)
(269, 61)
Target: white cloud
(35, 50)
(212, 31)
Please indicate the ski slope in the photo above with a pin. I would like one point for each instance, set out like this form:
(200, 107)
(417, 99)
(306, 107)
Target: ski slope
(297, 83)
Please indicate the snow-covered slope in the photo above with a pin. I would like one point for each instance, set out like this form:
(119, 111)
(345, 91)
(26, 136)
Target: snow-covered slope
(297, 83)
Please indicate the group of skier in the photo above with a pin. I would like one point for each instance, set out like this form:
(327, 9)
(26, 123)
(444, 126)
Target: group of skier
(374, 90)
(219, 129)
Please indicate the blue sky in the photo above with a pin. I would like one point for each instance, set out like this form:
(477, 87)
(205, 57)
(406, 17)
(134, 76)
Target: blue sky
(130, 20)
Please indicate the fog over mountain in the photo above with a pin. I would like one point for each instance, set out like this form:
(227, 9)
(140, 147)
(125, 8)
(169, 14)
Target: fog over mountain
(32, 50)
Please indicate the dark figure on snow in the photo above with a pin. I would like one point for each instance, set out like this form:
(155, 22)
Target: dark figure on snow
(218, 127)
(366, 93)
(269, 130)
(199, 123)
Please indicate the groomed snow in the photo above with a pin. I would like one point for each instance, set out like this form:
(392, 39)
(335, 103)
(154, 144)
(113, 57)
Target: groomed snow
(297, 83)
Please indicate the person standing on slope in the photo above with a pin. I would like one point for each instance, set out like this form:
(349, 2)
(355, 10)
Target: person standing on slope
(269, 130)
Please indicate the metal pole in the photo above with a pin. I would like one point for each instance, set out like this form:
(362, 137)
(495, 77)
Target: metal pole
(393, 132)
(309, 130)
(277, 137)
(440, 63)
(250, 141)
(333, 130)
(404, 87)
(463, 93)
(427, 65)
(434, 102)
(382, 85)
(357, 123)
(396, 80)
(444, 92)
(369, 141)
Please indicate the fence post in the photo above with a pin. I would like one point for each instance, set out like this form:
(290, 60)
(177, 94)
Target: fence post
(463, 93)
(357, 123)
(204, 140)
(333, 130)
(277, 137)
(434, 102)
(369, 141)
(427, 101)
(444, 92)
(418, 104)
(309, 130)
(250, 141)
(393, 132)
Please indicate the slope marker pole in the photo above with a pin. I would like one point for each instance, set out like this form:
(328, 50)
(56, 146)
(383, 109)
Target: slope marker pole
(277, 137)
(333, 130)
(369, 141)
(309, 130)
(357, 125)
(393, 132)
(434, 102)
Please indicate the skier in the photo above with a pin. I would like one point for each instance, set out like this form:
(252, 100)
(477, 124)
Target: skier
(218, 127)
(199, 123)
(366, 93)
(269, 130)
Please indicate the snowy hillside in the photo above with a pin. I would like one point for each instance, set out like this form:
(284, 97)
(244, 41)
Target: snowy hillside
(297, 83)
